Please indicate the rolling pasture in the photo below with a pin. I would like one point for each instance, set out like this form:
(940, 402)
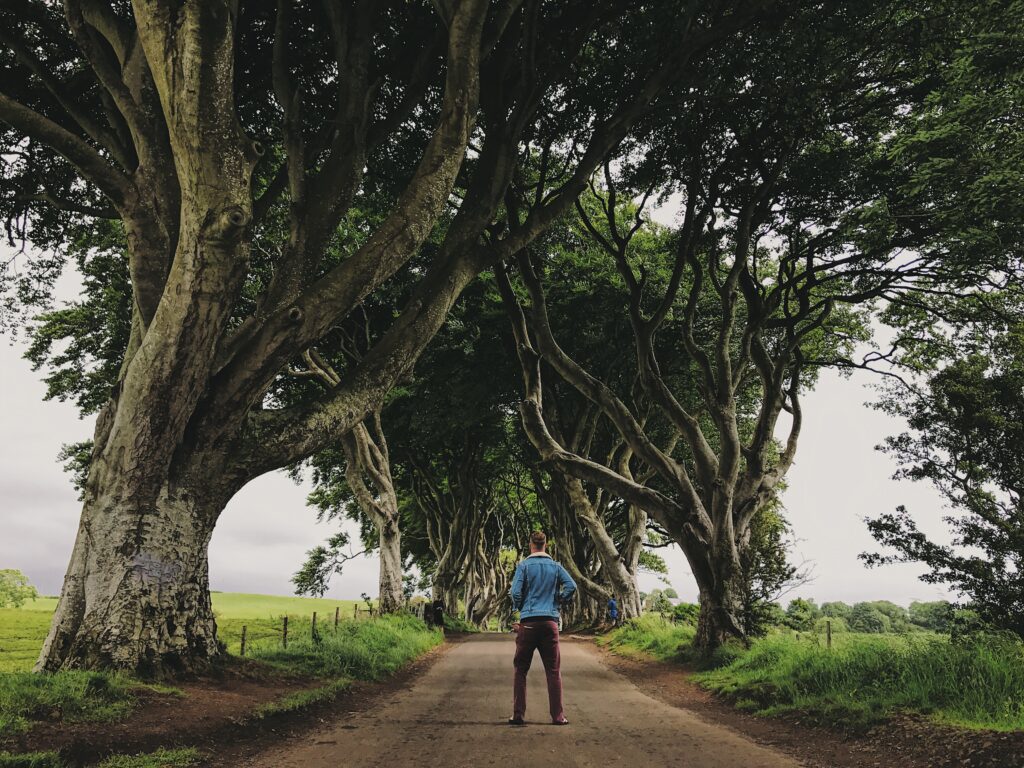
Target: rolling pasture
(22, 630)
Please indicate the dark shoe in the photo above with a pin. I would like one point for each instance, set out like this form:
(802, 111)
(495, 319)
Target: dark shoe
(563, 721)
(516, 721)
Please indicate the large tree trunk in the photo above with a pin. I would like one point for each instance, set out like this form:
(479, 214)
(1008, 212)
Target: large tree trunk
(720, 620)
(613, 565)
(613, 569)
(717, 571)
(366, 454)
(390, 598)
(136, 595)
(199, 366)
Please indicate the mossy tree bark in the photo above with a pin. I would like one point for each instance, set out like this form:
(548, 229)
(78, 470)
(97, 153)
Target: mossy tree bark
(366, 456)
(184, 429)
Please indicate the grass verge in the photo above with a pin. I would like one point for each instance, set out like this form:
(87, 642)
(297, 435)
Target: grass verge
(303, 699)
(978, 684)
(162, 758)
(30, 760)
(362, 650)
(459, 624)
(368, 649)
(650, 636)
(68, 696)
(863, 679)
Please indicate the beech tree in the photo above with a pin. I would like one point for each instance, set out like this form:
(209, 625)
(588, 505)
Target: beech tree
(795, 221)
(231, 142)
(439, 458)
(599, 538)
(372, 487)
(457, 455)
(956, 362)
(965, 432)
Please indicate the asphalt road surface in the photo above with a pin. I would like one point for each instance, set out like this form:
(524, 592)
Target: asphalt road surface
(454, 715)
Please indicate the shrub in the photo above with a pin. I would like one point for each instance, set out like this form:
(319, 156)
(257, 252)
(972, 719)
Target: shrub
(686, 613)
(800, 614)
(458, 624)
(897, 614)
(657, 602)
(866, 618)
(771, 616)
(836, 610)
(936, 616)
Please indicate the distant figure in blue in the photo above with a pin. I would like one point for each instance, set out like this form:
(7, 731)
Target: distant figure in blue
(613, 611)
(539, 588)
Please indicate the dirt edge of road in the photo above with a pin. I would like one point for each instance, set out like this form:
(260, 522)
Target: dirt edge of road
(217, 716)
(905, 741)
(236, 746)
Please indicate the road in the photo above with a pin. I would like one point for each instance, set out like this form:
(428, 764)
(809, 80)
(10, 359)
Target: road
(454, 716)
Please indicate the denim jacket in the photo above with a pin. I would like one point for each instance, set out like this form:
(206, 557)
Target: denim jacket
(540, 586)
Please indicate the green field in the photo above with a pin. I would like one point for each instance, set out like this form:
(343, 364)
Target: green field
(22, 630)
(367, 649)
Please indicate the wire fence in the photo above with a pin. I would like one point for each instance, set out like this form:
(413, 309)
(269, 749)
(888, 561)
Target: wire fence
(241, 636)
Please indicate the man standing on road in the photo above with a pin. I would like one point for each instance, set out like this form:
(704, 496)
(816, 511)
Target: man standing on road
(539, 588)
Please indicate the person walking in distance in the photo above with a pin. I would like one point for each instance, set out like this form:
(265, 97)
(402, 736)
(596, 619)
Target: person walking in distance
(613, 611)
(539, 588)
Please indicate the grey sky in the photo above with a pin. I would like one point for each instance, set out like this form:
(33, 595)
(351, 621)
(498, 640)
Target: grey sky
(837, 480)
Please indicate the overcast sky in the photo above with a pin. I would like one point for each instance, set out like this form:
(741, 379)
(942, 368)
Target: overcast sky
(837, 480)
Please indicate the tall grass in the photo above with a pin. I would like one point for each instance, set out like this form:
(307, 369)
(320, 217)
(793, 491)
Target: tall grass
(364, 650)
(978, 684)
(367, 650)
(650, 635)
(68, 696)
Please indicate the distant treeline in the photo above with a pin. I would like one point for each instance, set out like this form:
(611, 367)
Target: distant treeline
(873, 616)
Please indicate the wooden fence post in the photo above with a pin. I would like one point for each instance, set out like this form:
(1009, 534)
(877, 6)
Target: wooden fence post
(355, 611)
(313, 631)
(337, 611)
(284, 632)
(828, 633)
(243, 641)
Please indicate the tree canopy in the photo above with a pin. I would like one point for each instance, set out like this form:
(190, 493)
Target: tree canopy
(277, 207)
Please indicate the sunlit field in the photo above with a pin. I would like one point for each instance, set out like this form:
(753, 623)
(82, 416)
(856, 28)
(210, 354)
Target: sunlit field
(22, 630)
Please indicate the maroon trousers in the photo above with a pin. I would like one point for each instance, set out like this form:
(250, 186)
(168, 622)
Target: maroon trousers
(542, 636)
